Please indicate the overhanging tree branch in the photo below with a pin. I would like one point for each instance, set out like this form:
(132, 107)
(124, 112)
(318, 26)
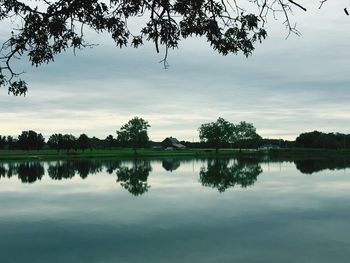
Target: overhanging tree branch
(59, 25)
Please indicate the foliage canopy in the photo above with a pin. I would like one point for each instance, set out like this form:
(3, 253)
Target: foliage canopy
(134, 133)
(45, 28)
(221, 133)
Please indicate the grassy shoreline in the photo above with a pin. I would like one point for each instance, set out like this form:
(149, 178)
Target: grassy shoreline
(141, 153)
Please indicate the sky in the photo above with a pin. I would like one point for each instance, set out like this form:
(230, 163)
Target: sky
(288, 86)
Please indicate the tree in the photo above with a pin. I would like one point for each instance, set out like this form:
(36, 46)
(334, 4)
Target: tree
(244, 131)
(46, 28)
(56, 141)
(30, 140)
(11, 143)
(2, 142)
(216, 134)
(134, 133)
(68, 142)
(83, 142)
(110, 141)
(318, 139)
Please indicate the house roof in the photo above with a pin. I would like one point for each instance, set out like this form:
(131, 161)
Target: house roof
(172, 140)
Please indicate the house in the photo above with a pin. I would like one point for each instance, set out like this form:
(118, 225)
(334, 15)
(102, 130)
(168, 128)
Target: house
(267, 147)
(173, 143)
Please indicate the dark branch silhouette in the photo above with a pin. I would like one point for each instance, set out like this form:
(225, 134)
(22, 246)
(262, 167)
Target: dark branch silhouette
(47, 28)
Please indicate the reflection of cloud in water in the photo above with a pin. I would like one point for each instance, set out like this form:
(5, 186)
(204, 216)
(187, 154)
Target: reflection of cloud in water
(134, 175)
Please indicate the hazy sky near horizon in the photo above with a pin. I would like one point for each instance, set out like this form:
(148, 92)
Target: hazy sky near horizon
(286, 87)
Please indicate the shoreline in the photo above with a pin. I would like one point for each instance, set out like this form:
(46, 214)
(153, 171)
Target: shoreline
(145, 153)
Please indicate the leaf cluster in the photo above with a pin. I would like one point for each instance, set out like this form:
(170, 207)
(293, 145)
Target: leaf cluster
(47, 28)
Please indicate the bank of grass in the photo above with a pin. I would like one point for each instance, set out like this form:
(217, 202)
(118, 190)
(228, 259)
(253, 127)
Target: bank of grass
(48, 154)
(118, 153)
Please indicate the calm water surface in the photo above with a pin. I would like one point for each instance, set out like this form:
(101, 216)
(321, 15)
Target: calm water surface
(172, 210)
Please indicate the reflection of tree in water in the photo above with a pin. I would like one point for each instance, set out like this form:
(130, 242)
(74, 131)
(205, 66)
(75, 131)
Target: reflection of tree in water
(29, 172)
(311, 166)
(68, 169)
(112, 165)
(170, 164)
(8, 171)
(86, 167)
(134, 179)
(61, 170)
(222, 175)
(3, 170)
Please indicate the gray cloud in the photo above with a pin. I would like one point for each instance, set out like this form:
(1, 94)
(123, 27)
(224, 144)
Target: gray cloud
(286, 87)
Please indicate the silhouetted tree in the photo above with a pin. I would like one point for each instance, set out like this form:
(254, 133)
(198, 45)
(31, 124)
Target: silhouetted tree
(11, 142)
(50, 27)
(83, 142)
(68, 142)
(318, 139)
(110, 141)
(244, 131)
(134, 179)
(216, 134)
(30, 140)
(134, 133)
(3, 142)
(96, 143)
(56, 141)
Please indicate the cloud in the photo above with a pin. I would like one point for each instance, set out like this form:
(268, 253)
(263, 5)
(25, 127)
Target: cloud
(286, 87)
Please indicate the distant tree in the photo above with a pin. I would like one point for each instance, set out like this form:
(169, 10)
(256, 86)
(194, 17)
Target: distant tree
(322, 140)
(30, 140)
(11, 143)
(68, 142)
(3, 142)
(96, 143)
(56, 141)
(216, 134)
(110, 141)
(244, 131)
(134, 133)
(83, 142)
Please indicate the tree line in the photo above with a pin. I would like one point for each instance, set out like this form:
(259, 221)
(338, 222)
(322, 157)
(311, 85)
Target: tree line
(134, 134)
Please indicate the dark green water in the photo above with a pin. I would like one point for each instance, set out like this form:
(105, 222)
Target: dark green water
(175, 211)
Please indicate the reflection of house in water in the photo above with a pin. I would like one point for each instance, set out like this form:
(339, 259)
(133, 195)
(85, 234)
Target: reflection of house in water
(172, 143)
(170, 164)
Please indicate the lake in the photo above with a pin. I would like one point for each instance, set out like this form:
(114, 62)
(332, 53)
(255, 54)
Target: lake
(175, 210)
